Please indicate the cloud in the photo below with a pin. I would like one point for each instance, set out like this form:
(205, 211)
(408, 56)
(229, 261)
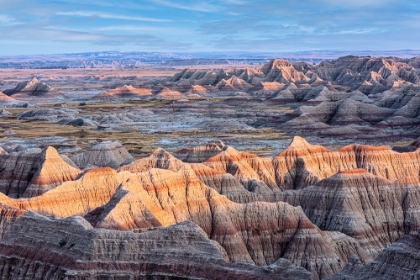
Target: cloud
(110, 16)
(193, 6)
(6, 20)
(54, 35)
(359, 3)
(214, 25)
(153, 29)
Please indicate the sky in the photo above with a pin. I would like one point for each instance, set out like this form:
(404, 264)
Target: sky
(30, 27)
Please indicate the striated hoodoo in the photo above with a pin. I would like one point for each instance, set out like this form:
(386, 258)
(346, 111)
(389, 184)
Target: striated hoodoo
(126, 91)
(31, 173)
(33, 88)
(107, 153)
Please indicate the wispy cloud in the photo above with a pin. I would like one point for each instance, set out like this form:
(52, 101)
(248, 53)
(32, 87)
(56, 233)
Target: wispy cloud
(54, 35)
(155, 29)
(110, 16)
(209, 24)
(194, 6)
(359, 3)
(359, 31)
(6, 20)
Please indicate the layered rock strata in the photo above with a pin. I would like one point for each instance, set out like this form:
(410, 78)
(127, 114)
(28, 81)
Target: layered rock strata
(106, 153)
(33, 172)
(74, 250)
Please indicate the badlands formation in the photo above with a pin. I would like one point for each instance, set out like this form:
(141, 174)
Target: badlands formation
(201, 174)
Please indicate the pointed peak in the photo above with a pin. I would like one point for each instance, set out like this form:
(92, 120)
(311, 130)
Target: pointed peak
(298, 141)
(299, 147)
(127, 87)
(34, 80)
(50, 152)
(161, 153)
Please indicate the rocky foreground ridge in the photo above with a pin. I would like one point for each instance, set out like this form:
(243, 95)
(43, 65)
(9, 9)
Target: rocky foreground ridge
(211, 212)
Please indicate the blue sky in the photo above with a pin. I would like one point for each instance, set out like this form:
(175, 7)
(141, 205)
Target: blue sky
(64, 26)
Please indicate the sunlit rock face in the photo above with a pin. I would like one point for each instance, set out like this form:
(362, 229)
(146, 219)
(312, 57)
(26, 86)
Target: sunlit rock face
(126, 91)
(32, 88)
(305, 212)
(32, 172)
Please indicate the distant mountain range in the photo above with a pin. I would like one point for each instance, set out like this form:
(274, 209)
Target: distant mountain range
(158, 59)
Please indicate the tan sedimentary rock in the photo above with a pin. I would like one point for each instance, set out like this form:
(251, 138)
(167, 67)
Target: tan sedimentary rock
(297, 167)
(158, 159)
(283, 81)
(169, 93)
(228, 185)
(126, 91)
(303, 164)
(200, 153)
(233, 83)
(260, 232)
(52, 173)
(365, 198)
(283, 71)
(72, 249)
(92, 189)
(33, 88)
(5, 98)
(28, 174)
(106, 153)
(224, 183)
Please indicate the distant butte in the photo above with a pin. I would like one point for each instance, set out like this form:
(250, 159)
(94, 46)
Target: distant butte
(32, 88)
